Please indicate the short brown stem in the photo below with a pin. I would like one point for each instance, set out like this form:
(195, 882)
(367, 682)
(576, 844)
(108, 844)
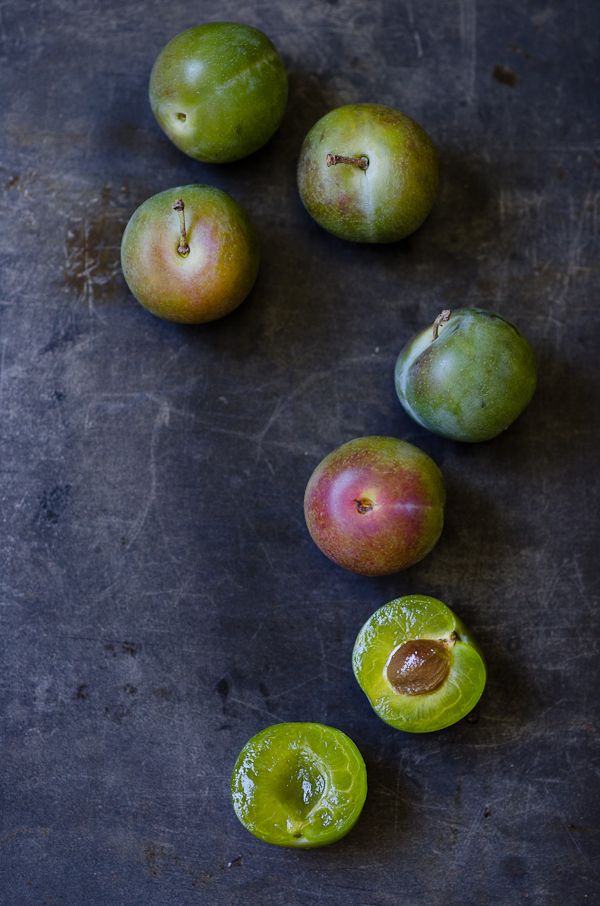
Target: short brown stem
(183, 248)
(443, 316)
(364, 505)
(361, 162)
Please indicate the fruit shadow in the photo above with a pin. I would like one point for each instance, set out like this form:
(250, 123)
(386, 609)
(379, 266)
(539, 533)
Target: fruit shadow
(475, 565)
(264, 183)
(550, 437)
(462, 227)
(463, 223)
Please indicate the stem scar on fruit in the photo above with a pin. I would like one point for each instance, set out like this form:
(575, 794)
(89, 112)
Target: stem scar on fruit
(361, 162)
(442, 317)
(364, 505)
(183, 248)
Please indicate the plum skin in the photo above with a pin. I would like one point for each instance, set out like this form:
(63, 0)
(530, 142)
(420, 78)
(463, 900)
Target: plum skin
(219, 91)
(406, 491)
(471, 382)
(387, 201)
(220, 269)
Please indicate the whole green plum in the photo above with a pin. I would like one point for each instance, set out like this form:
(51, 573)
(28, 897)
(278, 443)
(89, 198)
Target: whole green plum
(368, 173)
(219, 91)
(467, 376)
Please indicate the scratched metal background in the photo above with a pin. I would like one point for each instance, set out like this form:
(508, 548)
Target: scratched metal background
(160, 599)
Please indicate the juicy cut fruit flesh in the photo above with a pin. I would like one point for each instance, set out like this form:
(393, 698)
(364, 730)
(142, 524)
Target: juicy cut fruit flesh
(190, 254)
(467, 376)
(375, 505)
(368, 173)
(219, 91)
(418, 665)
(299, 784)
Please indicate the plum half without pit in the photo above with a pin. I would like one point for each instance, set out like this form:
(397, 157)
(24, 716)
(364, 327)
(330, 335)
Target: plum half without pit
(375, 505)
(299, 784)
(418, 665)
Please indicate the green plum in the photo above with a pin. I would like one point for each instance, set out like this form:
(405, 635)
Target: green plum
(299, 784)
(190, 254)
(418, 665)
(219, 91)
(467, 376)
(368, 173)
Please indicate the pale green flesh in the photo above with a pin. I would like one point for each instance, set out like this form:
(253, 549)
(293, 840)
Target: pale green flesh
(299, 785)
(409, 618)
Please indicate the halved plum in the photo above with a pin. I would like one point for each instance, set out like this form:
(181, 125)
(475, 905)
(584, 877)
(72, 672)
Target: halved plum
(299, 784)
(418, 665)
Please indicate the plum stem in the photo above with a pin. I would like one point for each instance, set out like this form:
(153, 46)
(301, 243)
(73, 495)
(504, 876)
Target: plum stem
(183, 248)
(443, 316)
(332, 159)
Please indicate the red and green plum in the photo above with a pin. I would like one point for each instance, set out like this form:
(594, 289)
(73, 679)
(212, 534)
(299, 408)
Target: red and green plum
(219, 91)
(368, 173)
(375, 505)
(190, 254)
(467, 376)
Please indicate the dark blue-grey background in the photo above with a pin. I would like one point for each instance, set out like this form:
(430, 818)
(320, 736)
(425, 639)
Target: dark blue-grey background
(160, 601)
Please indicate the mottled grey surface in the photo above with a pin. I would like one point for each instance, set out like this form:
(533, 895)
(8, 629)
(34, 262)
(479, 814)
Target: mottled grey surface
(160, 598)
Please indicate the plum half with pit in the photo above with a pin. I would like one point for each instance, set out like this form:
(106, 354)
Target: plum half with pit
(299, 784)
(190, 254)
(467, 376)
(418, 665)
(368, 173)
(375, 505)
(219, 91)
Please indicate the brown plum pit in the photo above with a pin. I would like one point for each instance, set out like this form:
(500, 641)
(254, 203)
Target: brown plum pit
(364, 505)
(419, 666)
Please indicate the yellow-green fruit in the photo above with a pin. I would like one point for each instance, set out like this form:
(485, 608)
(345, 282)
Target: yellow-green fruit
(190, 254)
(368, 173)
(219, 91)
(418, 665)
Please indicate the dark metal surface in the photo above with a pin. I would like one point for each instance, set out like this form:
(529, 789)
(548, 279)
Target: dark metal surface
(160, 598)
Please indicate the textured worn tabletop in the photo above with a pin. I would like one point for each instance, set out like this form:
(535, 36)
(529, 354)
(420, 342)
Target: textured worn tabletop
(160, 598)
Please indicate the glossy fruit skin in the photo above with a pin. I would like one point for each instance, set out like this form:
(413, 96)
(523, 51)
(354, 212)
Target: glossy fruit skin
(220, 269)
(407, 492)
(387, 201)
(470, 383)
(299, 784)
(418, 617)
(219, 91)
